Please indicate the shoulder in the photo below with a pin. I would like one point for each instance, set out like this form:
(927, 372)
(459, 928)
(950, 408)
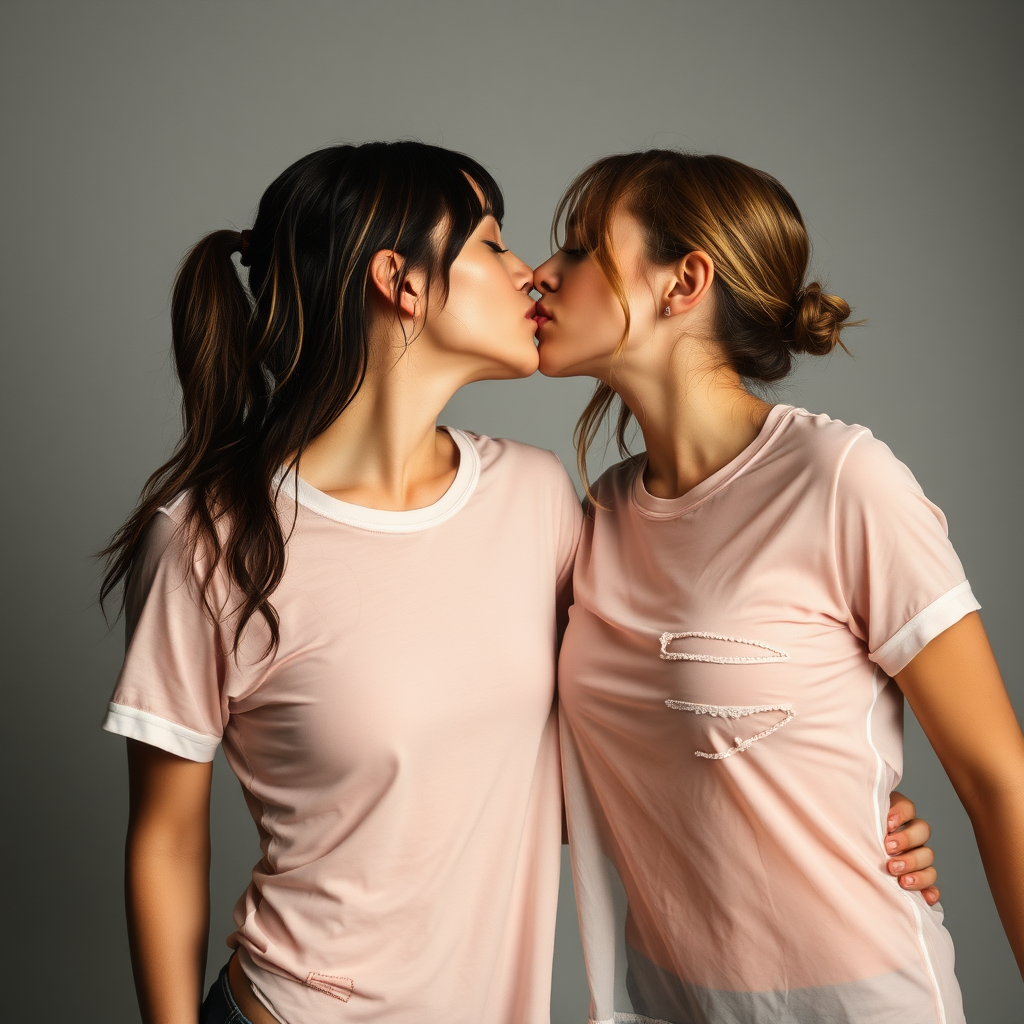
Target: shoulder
(165, 536)
(820, 441)
(614, 483)
(847, 454)
(162, 562)
(870, 464)
(168, 549)
(862, 475)
(531, 467)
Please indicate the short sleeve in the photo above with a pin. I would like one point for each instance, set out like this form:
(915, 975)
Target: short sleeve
(169, 691)
(901, 579)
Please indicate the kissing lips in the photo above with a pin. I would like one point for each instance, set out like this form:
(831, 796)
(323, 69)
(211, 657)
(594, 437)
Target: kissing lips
(540, 315)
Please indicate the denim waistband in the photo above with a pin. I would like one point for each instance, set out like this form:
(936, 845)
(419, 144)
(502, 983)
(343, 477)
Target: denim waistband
(220, 1007)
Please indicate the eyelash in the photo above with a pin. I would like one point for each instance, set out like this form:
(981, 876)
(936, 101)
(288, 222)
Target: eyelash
(576, 254)
(494, 245)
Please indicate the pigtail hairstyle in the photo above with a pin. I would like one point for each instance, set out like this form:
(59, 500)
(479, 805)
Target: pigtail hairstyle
(265, 371)
(752, 230)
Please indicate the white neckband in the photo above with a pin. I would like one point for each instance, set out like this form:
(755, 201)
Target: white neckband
(386, 521)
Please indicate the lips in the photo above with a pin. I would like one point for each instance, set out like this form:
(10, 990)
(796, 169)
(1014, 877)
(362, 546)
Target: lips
(540, 315)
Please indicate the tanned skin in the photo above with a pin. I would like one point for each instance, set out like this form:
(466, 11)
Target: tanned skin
(956, 692)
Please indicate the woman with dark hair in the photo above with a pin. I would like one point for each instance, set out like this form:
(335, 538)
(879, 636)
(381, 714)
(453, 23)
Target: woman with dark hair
(365, 609)
(753, 598)
(362, 607)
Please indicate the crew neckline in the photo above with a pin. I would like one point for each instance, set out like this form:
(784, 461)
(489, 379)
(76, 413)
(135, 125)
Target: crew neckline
(666, 508)
(378, 520)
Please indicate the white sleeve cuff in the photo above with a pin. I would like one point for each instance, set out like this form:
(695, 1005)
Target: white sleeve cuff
(901, 648)
(158, 732)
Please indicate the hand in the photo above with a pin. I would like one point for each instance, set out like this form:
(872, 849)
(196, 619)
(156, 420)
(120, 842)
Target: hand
(908, 857)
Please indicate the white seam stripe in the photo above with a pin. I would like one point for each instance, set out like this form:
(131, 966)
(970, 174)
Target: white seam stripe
(939, 1003)
(879, 685)
(880, 762)
(134, 724)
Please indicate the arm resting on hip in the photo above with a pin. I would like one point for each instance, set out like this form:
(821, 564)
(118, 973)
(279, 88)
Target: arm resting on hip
(956, 692)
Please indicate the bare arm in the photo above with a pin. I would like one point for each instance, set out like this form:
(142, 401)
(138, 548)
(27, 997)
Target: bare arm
(956, 692)
(167, 868)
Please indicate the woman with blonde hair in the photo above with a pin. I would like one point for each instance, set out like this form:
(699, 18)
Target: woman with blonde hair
(754, 596)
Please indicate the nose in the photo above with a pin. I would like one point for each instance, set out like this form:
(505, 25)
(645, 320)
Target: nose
(546, 277)
(522, 275)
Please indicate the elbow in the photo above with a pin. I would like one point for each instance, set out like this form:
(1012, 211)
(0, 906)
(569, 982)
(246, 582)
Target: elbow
(170, 841)
(994, 789)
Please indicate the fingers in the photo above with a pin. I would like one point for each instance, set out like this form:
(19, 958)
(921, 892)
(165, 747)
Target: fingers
(914, 868)
(915, 832)
(912, 860)
(901, 810)
(909, 859)
(917, 881)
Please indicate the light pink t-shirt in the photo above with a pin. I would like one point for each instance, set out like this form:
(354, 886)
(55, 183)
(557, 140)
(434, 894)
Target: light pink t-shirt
(398, 752)
(731, 734)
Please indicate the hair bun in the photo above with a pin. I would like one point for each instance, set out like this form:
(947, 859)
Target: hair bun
(818, 321)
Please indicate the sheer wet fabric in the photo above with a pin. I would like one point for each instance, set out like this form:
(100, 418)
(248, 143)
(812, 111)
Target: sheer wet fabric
(731, 735)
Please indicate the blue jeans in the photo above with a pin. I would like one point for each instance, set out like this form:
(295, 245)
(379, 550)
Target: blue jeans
(220, 1007)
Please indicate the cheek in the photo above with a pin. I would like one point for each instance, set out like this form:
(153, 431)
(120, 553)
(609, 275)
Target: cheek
(470, 307)
(588, 322)
(486, 315)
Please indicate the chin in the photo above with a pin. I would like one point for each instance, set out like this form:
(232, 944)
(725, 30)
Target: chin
(551, 367)
(521, 366)
(527, 358)
(529, 365)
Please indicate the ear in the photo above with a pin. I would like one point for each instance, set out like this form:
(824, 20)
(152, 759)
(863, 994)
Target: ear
(385, 271)
(690, 282)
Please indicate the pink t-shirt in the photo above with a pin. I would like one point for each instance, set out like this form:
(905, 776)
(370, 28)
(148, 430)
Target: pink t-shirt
(731, 734)
(398, 752)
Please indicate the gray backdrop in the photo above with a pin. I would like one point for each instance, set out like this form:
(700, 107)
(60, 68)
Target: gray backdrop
(131, 128)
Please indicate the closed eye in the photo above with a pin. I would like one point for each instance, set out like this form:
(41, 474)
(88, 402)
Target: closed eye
(494, 246)
(574, 254)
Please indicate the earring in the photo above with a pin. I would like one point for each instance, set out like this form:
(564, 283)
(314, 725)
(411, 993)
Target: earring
(668, 311)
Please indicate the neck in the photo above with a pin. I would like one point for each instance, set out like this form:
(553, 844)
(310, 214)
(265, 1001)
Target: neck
(695, 415)
(384, 451)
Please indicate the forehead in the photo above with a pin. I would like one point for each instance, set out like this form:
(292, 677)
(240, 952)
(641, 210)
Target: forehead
(617, 225)
(488, 227)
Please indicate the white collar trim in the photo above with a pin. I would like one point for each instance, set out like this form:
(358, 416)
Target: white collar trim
(386, 521)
